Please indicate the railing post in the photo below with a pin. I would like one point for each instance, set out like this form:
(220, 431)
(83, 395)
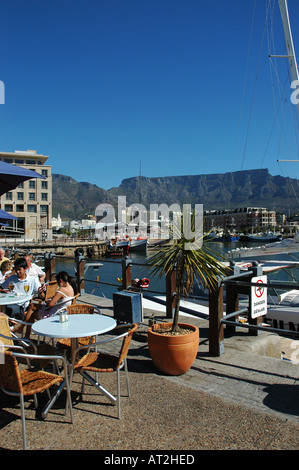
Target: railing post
(80, 262)
(49, 265)
(216, 330)
(170, 293)
(126, 265)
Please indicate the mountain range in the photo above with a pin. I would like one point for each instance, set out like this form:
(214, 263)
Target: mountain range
(248, 188)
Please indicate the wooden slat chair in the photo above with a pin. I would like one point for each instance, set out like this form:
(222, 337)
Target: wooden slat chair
(27, 382)
(105, 362)
(65, 343)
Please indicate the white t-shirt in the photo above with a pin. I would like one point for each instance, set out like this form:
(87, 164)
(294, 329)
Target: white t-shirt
(35, 270)
(19, 284)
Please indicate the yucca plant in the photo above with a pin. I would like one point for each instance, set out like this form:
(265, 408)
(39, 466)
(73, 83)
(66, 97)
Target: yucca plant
(193, 262)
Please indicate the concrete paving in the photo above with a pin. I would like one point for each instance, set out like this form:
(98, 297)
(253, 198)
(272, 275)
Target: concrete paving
(242, 374)
(242, 400)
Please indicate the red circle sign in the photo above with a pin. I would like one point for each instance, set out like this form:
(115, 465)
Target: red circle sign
(259, 290)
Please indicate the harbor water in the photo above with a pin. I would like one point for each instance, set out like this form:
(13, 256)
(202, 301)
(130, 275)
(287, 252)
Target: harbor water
(110, 270)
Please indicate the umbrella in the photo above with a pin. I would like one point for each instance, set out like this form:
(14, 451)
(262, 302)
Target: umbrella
(6, 215)
(12, 175)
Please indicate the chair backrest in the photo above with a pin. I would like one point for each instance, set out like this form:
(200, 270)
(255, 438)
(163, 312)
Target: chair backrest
(10, 378)
(52, 287)
(75, 299)
(126, 344)
(80, 308)
(5, 330)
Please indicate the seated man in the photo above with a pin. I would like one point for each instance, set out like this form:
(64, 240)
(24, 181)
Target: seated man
(34, 270)
(2, 257)
(23, 284)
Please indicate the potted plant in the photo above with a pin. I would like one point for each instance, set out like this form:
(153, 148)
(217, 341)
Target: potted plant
(173, 346)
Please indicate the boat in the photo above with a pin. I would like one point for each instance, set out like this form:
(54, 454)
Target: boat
(138, 244)
(264, 238)
(285, 246)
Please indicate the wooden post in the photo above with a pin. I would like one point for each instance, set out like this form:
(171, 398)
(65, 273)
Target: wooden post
(126, 264)
(80, 262)
(170, 293)
(49, 265)
(216, 330)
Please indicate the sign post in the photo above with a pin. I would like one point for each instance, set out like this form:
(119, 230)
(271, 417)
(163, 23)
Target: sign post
(258, 300)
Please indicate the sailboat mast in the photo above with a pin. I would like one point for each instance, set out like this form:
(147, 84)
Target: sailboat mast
(289, 42)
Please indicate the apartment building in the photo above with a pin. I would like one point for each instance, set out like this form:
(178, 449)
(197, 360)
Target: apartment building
(31, 201)
(239, 219)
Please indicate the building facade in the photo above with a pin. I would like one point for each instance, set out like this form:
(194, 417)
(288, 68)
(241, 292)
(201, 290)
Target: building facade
(31, 201)
(240, 219)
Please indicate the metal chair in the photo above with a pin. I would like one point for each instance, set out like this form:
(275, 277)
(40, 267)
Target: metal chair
(65, 343)
(27, 382)
(29, 346)
(103, 362)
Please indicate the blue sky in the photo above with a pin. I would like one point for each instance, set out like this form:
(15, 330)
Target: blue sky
(104, 86)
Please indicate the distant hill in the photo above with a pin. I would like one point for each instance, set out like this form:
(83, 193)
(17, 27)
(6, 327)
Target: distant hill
(256, 188)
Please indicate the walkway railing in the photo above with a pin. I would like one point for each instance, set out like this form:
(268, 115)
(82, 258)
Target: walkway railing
(237, 283)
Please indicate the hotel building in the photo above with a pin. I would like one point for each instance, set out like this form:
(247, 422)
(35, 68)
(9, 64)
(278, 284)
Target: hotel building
(239, 219)
(31, 201)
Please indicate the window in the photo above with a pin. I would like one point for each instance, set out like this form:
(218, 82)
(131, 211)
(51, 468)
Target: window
(43, 209)
(45, 172)
(8, 196)
(32, 184)
(31, 196)
(31, 207)
(20, 208)
(44, 184)
(44, 196)
(20, 196)
(8, 208)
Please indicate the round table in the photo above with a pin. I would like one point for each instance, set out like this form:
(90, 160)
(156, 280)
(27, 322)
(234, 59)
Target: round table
(11, 298)
(77, 326)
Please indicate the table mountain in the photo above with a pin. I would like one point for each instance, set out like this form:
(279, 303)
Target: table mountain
(248, 188)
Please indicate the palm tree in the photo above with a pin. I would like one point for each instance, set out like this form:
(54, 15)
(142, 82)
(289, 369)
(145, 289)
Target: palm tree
(196, 265)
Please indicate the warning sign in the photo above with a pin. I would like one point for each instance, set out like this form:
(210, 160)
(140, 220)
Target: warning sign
(259, 297)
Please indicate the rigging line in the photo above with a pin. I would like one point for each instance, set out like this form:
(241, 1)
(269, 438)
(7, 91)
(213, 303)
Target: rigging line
(243, 95)
(245, 75)
(254, 88)
(283, 99)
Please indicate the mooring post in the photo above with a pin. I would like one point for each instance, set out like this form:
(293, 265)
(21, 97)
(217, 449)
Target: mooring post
(49, 259)
(216, 330)
(80, 263)
(126, 265)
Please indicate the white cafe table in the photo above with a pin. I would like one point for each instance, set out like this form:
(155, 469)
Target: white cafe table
(11, 298)
(77, 326)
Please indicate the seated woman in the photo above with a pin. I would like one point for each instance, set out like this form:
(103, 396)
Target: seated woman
(5, 270)
(62, 298)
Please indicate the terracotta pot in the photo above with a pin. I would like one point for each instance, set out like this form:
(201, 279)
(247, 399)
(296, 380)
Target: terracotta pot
(173, 355)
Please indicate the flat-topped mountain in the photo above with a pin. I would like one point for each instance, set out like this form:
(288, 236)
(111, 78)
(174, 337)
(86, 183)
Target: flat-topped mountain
(248, 188)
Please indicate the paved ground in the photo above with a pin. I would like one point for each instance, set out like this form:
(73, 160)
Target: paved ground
(238, 401)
